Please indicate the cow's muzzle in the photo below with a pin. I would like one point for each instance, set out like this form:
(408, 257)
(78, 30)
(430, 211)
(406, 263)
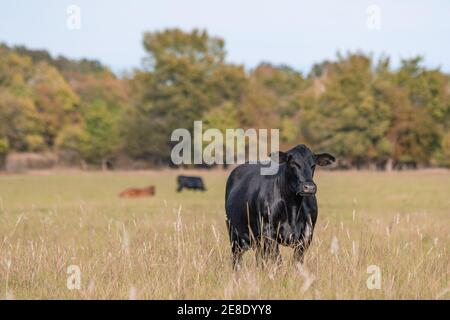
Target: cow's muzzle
(307, 189)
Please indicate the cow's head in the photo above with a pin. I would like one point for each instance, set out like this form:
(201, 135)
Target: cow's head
(300, 164)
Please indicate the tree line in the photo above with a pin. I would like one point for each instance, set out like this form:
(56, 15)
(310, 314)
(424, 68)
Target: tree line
(367, 113)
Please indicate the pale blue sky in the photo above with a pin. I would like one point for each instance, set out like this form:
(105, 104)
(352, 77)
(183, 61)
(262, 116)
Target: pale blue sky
(297, 33)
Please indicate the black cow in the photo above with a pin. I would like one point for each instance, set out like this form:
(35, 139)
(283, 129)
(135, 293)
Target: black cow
(266, 210)
(195, 183)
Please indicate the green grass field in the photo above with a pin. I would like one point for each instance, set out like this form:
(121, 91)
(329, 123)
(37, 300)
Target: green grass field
(175, 246)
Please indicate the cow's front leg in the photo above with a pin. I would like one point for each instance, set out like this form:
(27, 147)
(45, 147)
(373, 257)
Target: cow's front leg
(268, 250)
(299, 253)
(300, 249)
(304, 242)
(259, 254)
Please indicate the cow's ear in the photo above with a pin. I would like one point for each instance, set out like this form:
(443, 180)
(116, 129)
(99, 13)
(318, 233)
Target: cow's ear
(279, 156)
(324, 159)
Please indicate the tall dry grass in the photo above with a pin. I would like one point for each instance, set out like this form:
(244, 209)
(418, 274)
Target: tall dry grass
(175, 246)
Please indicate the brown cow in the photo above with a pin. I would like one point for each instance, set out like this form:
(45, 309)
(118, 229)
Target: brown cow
(138, 192)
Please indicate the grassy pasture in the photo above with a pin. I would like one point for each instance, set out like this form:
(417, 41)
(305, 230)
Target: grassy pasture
(175, 245)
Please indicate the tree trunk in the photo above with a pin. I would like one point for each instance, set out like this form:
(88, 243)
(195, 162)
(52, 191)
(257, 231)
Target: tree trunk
(104, 164)
(83, 164)
(389, 164)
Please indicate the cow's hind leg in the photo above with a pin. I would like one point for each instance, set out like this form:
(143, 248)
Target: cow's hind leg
(236, 249)
(237, 253)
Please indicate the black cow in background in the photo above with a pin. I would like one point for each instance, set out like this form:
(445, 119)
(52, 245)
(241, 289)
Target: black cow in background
(186, 182)
(264, 211)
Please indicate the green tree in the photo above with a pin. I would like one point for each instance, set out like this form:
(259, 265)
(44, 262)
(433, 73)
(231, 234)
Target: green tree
(4, 148)
(271, 101)
(347, 118)
(185, 76)
(101, 128)
(55, 101)
(419, 107)
(18, 118)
